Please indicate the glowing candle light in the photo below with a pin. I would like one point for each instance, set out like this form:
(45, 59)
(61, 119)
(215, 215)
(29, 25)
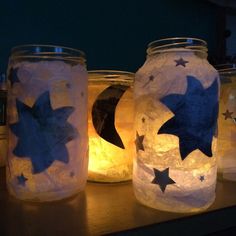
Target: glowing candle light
(47, 157)
(3, 120)
(176, 107)
(110, 126)
(227, 123)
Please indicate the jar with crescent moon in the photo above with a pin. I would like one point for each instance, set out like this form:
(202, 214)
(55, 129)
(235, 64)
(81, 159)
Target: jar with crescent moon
(110, 123)
(176, 108)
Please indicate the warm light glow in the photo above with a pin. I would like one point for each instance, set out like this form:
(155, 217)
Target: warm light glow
(227, 130)
(3, 145)
(3, 120)
(108, 162)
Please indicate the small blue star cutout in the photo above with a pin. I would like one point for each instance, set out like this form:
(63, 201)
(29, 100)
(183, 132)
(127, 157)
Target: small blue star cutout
(139, 142)
(151, 78)
(68, 85)
(43, 133)
(21, 179)
(13, 76)
(202, 178)
(181, 62)
(227, 114)
(195, 117)
(162, 178)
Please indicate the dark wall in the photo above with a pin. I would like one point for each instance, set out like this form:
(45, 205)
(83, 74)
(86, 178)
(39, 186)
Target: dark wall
(113, 34)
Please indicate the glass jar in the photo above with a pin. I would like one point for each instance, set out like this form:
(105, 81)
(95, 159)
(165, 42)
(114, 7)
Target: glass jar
(176, 108)
(226, 151)
(47, 115)
(110, 126)
(3, 120)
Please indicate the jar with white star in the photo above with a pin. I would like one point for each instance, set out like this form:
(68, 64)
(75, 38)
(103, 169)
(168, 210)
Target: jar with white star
(176, 106)
(47, 116)
(226, 152)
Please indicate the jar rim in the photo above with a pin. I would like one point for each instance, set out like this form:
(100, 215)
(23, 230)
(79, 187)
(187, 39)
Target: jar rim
(226, 68)
(111, 76)
(47, 51)
(177, 43)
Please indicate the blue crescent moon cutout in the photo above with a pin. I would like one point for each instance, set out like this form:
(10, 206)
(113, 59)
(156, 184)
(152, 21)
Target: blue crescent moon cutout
(103, 114)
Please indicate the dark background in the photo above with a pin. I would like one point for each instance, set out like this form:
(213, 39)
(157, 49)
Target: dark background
(114, 34)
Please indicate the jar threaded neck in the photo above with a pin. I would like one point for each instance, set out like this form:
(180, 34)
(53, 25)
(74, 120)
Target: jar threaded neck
(35, 51)
(178, 43)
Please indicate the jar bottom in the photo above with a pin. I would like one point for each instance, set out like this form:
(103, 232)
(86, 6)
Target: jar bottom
(110, 181)
(229, 176)
(178, 198)
(176, 208)
(171, 205)
(103, 178)
(46, 196)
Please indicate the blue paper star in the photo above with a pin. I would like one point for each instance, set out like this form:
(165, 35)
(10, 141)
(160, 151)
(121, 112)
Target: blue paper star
(68, 85)
(21, 179)
(162, 178)
(202, 178)
(42, 133)
(151, 78)
(195, 117)
(13, 76)
(181, 62)
(227, 114)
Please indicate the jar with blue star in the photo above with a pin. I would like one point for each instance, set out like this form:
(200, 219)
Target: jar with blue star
(47, 122)
(176, 107)
(226, 151)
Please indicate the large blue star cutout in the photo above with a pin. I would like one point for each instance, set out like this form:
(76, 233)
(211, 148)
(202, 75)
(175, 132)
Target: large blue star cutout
(43, 132)
(195, 117)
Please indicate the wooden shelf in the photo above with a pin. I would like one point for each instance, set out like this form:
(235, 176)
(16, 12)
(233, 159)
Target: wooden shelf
(112, 209)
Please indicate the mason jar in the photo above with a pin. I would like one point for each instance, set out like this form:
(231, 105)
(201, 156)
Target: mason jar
(227, 123)
(3, 120)
(176, 106)
(47, 116)
(110, 118)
